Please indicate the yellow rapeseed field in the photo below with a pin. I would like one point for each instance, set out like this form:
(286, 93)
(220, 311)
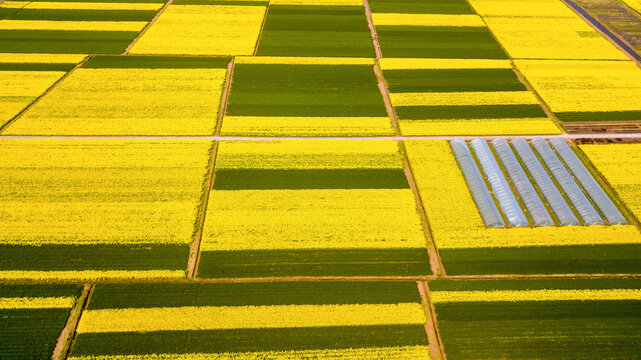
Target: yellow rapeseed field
(471, 127)
(77, 5)
(37, 302)
(203, 30)
(72, 25)
(464, 98)
(318, 2)
(89, 275)
(300, 60)
(41, 58)
(306, 126)
(535, 295)
(574, 85)
(18, 89)
(128, 102)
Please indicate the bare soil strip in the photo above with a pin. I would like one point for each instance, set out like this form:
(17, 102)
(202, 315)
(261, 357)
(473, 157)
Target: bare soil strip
(605, 127)
(372, 29)
(194, 248)
(424, 288)
(144, 30)
(434, 342)
(5, 126)
(68, 332)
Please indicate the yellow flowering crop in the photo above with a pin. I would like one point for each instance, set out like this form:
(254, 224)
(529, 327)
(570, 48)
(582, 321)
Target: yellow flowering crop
(441, 184)
(72, 25)
(380, 19)
(89, 275)
(388, 353)
(574, 85)
(635, 4)
(76, 5)
(621, 166)
(248, 317)
(36, 302)
(544, 29)
(471, 127)
(412, 63)
(535, 295)
(128, 102)
(300, 60)
(13, 4)
(92, 191)
(18, 89)
(464, 98)
(305, 126)
(203, 30)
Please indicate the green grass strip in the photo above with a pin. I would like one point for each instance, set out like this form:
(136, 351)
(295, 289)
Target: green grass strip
(586, 259)
(533, 284)
(157, 62)
(114, 296)
(320, 262)
(469, 112)
(452, 80)
(65, 42)
(35, 67)
(420, 6)
(30, 333)
(273, 179)
(534, 330)
(438, 42)
(243, 340)
(84, 15)
(93, 257)
(634, 115)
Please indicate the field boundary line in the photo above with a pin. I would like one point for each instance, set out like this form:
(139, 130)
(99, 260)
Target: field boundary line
(149, 24)
(63, 345)
(262, 27)
(634, 136)
(323, 278)
(611, 36)
(49, 89)
(433, 338)
(194, 247)
(372, 30)
(520, 76)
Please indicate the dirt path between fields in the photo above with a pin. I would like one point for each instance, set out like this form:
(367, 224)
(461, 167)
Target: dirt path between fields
(372, 30)
(433, 338)
(63, 345)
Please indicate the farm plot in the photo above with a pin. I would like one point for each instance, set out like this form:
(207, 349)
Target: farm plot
(208, 27)
(311, 208)
(32, 318)
(133, 95)
(536, 319)
(96, 209)
(441, 29)
(75, 27)
(283, 320)
(305, 97)
(544, 29)
(587, 90)
(316, 28)
(25, 77)
(621, 166)
(462, 97)
(470, 244)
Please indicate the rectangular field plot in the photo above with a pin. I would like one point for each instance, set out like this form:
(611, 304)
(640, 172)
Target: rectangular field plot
(283, 320)
(133, 95)
(419, 29)
(621, 166)
(76, 27)
(545, 29)
(96, 209)
(25, 77)
(210, 27)
(305, 97)
(579, 90)
(537, 319)
(32, 318)
(462, 97)
(311, 208)
(467, 246)
(316, 30)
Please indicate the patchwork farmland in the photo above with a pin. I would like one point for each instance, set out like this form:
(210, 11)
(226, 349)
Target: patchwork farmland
(320, 179)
